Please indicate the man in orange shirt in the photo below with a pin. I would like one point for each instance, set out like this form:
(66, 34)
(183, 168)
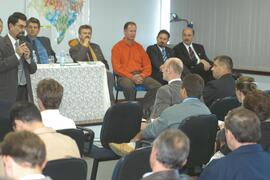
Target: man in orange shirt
(132, 64)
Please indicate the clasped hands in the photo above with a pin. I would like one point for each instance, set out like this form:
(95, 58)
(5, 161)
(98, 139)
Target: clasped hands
(137, 79)
(206, 65)
(23, 50)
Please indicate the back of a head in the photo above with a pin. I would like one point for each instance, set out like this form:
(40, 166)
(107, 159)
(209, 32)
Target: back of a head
(193, 85)
(176, 65)
(225, 61)
(244, 125)
(25, 147)
(259, 102)
(25, 111)
(50, 93)
(172, 148)
(245, 84)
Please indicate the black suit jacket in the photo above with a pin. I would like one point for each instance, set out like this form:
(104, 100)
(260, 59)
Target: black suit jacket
(9, 71)
(219, 88)
(47, 45)
(155, 56)
(189, 65)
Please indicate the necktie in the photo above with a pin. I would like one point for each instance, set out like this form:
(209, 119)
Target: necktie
(93, 54)
(21, 75)
(191, 53)
(164, 54)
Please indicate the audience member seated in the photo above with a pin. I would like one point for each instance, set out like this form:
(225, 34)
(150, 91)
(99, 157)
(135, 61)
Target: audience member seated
(221, 147)
(158, 54)
(131, 63)
(259, 102)
(193, 56)
(168, 95)
(169, 154)
(171, 117)
(243, 85)
(41, 45)
(24, 156)
(26, 116)
(49, 94)
(247, 159)
(224, 83)
(83, 49)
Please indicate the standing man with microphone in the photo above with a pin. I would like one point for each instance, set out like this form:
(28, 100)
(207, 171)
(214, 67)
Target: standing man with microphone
(16, 63)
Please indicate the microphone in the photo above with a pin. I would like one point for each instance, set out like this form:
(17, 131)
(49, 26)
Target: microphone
(21, 37)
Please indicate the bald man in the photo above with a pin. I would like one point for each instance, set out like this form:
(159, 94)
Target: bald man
(193, 56)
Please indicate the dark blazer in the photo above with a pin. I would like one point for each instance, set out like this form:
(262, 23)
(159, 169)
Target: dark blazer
(248, 162)
(219, 88)
(166, 175)
(191, 66)
(9, 71)
(155, 56)
(81, 53)
(47, 45)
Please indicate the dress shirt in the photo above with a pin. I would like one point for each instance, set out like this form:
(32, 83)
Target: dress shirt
(178, 79)
(34, 177)
(196, 55)
(52, 118)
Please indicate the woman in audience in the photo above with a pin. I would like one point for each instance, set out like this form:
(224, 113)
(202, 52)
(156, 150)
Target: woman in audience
(259, 102)
(243, 85)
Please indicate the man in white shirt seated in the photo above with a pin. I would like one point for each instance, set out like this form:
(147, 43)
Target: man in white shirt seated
(24, 160)
(50, 93)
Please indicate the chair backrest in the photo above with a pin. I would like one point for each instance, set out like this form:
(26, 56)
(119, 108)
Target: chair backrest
(5, 122)
(77, 135)
(222, 106)
(66, 169)
(201, 131)
(121, 123)
(135, 165)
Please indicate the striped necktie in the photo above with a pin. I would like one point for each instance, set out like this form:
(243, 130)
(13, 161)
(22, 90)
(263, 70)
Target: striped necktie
(93, 54)
(164, 54)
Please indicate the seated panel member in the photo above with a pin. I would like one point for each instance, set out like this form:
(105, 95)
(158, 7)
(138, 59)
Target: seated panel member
(193, 56)
(132, 64)
(41, 45)
(158, 54)
(83, 49)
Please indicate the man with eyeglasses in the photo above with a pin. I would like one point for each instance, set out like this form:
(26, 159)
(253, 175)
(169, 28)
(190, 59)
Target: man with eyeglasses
(16, 63)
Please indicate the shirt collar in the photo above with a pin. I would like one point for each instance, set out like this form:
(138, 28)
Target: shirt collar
(12, 39)
(177, 79)
(33, 177)
(190, 99)
(187, 46)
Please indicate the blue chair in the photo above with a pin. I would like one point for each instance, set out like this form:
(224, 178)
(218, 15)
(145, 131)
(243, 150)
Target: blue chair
(118, 88)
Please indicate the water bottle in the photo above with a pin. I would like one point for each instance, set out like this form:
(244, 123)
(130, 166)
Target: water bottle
(62, 58)
(34, 56)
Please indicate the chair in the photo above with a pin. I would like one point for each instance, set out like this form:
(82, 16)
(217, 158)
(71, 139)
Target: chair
(201, 131)
(135, 164)
(66, 169)
(138, 87)
(83, 140)
(120, 124)
(222, 106)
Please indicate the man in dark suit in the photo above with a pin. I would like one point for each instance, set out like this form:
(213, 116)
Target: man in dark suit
(193, 56)
(224, 83)
(169, 154)
(158, 54)
(83, 49)
(16, 62)
(41, 45)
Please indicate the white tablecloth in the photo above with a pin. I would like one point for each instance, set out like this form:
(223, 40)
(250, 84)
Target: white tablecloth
(86, 95)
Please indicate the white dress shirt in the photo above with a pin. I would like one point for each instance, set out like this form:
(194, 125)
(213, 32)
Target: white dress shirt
(196, 55)
(52, 118)
(177, 79)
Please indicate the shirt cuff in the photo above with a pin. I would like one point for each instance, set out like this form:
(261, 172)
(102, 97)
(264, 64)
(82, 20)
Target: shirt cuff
(18, 57)
(28, 61)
